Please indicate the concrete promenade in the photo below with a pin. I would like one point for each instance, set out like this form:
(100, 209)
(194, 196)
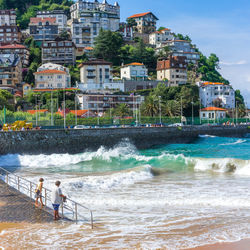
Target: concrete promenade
(16, 207)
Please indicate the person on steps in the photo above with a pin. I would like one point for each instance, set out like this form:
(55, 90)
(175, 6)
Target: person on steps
(38, 193)
(57, 198)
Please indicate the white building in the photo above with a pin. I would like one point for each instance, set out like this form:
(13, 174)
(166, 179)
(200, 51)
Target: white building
(212, 113)
(159, 37)
(88, 18)
(134, 71)
(7, 17)
(61, 17)
(52, 76)
(211, 91)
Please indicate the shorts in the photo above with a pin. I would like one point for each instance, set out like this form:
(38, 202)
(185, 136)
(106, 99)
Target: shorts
(56, 206)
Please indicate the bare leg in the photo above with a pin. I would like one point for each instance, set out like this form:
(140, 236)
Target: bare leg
(41, 200)
(36, 202)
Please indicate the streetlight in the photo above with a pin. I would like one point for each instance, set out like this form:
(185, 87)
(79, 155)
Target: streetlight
(51, 109)
(181, 110)
(200, 110)
(160, 107)
(192, 111)
(75, 110)
(64, 114)
(236, 113)
(139, 109)
(36, 109)
(246, 112)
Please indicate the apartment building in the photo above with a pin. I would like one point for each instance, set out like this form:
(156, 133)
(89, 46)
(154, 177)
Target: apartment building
(8, 17)
(180, 48)
(95, 73)
(59, 15)
(210, 91)
(52, 66)
(10, 72)
(159, 37)
(43, 29)
(9, 34)
(212, 113)
(173, 69)
(146, 22)
(88, 18)
(134, 71)
(18, 49)
(59, 52)
(100, 103)
(52, 79)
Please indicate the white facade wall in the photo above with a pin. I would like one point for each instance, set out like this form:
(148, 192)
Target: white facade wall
(50, 80)
(210, 92)
(213, 115)
(8, 18)
(132, 72)
(157, 38)
(175, 77)
(52, 66)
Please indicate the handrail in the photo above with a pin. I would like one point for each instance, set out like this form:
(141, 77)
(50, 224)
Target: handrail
(30, 188)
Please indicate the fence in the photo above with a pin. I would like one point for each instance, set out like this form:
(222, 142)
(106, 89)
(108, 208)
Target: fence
(28, 188)
(105, 122)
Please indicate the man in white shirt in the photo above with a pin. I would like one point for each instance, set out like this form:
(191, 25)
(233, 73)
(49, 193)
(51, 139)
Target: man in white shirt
(56, 199)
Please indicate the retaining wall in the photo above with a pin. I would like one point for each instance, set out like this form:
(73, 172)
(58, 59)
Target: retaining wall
(76, 141)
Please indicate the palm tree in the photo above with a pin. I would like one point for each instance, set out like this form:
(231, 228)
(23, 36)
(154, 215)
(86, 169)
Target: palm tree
(122, 110)
(151, 106)
(172, 108)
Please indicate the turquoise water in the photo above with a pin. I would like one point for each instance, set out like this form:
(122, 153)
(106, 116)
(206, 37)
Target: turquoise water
(183, 195)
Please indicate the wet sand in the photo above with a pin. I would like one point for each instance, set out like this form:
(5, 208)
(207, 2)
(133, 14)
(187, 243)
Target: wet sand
(240, 245)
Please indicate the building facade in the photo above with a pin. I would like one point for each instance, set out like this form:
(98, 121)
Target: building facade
(7, 17)
(9, 34)
(10, 72)
(100, 103)
(59, 52)
(18, 49)
(59, 15)
(159, 37)
(52, 79)
(211, 91)
(94, 74)
(173, 69)
(180, 48)
(53, 66)
(43, 29)
(134, 71)
(146, 22)
(212, 113)
(88, 18)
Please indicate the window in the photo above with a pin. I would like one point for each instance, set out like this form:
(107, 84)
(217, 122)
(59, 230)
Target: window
(9, 82)
(59, 77)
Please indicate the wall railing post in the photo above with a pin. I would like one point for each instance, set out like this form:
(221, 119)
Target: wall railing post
(76, 212)
(18, 183)
(30, 190)
(92, 224)
(45, 197)
(62, 210)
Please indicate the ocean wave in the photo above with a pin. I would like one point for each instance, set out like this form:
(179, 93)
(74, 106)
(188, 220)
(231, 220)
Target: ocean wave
(234, 143)
(222, 165)
(207, 136)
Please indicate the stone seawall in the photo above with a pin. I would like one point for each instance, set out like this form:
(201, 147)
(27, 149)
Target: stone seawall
(76, 141)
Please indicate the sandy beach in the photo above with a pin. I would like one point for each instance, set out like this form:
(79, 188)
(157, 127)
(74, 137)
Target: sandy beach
(240, 245)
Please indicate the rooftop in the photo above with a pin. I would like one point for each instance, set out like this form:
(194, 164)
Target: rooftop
(13, 46)
(142, 14)
(212, 83)
(50, 71)
(213, 109)
(133, 64)
(95, 62)
(35, 20)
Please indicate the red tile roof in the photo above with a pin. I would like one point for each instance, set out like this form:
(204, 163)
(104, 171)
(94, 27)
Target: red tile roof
(212, 83)
(13, 46)
(35, 20)
(50, 71)
(142, 14)
(134, 64)
(88, 48)
(79, 112)
(49, 90)
(38, 111)
(213, 109)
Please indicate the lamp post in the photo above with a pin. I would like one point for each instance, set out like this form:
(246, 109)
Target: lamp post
(139, 110)
(136, 111)
(64, 104)
(75, 110)
(246, 112)
(36, 110)
(160, 108)
(236, 113)
(192, 111)
(52, 123)
(200, 110)
(181, 110)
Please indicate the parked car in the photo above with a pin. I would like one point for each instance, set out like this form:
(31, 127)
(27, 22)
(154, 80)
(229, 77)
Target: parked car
(80, 127)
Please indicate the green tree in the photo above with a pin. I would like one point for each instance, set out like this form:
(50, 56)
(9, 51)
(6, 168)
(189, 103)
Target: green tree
(122, 110)
(108, 45)
(5, 97)
(131, 22)
(151, 106)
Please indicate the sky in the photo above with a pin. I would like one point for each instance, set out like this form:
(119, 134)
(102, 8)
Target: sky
(215, 26)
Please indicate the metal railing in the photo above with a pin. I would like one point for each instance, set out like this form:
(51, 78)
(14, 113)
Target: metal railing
(28, 188)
